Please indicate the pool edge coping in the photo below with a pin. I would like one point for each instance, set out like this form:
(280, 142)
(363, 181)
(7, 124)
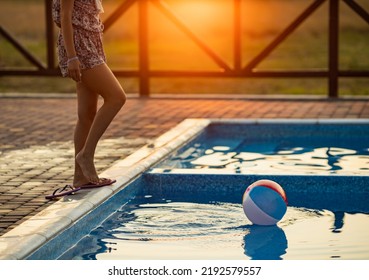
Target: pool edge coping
(26, 238)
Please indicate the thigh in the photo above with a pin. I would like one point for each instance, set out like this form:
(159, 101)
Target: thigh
(101, 80)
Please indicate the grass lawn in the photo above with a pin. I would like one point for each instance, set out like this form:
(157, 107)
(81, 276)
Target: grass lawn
(263, 20)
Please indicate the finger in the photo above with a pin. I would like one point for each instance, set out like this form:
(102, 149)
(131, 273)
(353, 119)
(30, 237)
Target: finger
(76, 76)
(79, 76)
(72, 75)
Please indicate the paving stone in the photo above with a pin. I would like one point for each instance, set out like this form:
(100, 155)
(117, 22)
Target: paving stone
(16, 191)
(5, 225)
(4, 189)
(9, 206)
(22, 199)
(5, 197)
(18, 180)
(17, 213)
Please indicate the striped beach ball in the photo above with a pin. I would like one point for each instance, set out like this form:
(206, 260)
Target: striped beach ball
(264, 203)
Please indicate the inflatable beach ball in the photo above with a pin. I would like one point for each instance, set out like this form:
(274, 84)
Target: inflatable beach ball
(264, 203)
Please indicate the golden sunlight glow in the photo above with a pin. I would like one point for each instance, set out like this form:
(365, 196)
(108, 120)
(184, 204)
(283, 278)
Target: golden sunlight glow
(208, 20)
(199, 12)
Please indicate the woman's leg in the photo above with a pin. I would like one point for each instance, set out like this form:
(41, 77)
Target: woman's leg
(87, 107)
(99, 79)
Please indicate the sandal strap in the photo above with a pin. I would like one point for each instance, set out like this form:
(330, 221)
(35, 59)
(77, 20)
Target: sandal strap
(63, 189)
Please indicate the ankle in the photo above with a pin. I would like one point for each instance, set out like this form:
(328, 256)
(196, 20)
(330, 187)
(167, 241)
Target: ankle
(85, 155)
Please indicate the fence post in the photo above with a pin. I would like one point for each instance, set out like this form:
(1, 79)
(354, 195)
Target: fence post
(144, 80)
(237, 33)
(333, 48)
(49, 35)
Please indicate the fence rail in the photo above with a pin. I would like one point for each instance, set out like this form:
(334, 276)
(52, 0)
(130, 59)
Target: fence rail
(237, 70)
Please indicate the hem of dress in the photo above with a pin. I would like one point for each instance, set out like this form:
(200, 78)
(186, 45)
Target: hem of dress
(94, 65)
(66, 75)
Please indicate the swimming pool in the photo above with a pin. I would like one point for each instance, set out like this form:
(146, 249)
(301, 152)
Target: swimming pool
(181, 195)
(184, 217)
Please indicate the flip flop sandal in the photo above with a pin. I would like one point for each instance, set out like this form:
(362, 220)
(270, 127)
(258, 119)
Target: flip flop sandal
(103, 182)
(59, 192)
(68, 189)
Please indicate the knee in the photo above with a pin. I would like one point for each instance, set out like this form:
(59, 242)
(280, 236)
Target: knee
(121, 99)
(86, 116)
(117, 100)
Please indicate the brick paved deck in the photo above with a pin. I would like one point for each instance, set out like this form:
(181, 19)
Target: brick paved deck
(36, 151)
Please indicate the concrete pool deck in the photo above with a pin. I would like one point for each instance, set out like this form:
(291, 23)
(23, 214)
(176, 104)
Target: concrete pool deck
(47, 122)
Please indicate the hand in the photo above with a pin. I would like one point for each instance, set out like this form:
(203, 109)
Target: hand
(74, 70)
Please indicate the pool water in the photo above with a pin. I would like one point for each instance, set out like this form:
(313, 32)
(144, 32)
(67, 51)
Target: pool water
(272, 149)
(149, 228)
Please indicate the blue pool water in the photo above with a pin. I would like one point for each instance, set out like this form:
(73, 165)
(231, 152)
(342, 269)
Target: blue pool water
(188, 206)
(158, 226)
(275, 149)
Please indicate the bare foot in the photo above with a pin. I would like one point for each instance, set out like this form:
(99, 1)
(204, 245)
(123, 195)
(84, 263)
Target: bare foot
(77, 182)
(87, 167)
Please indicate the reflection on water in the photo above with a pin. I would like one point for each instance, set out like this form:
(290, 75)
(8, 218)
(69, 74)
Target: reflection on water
(186, 230)
(271, 158)
(265, 243)
(338, 221)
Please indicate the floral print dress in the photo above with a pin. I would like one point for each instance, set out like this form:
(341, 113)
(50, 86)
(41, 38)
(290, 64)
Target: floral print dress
(88, 29)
